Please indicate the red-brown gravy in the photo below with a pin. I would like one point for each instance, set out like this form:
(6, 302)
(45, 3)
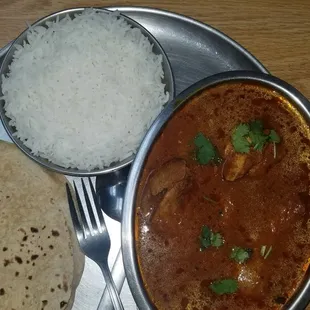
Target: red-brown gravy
(269, 208)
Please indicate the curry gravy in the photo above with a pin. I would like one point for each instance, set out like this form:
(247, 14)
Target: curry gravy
(271, 208)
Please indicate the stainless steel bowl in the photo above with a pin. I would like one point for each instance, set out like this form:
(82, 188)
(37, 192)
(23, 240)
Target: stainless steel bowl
(157, 49)
(302, 296)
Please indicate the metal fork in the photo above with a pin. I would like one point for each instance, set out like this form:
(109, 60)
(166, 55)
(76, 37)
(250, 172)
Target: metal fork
(94, 241)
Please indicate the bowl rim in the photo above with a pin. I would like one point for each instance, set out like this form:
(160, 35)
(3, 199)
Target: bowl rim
(301, 297)
(43, 161)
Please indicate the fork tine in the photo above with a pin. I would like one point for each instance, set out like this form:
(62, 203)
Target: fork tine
(82, 214)
(75, 220)
(98, 209)
(89, 207)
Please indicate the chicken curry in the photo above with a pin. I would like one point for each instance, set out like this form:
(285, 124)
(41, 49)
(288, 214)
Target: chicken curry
(222, 209)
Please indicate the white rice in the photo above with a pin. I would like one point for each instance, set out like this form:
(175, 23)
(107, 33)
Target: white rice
(83, 91)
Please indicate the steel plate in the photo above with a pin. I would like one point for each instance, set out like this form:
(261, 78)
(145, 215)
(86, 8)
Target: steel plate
(195, 51)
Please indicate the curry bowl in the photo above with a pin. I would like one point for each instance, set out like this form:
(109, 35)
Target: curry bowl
(216, 211)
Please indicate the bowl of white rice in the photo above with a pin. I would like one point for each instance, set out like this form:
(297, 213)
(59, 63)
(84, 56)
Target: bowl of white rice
(81, 87)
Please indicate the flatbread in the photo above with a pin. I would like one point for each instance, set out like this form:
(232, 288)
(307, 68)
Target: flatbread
(40, 262)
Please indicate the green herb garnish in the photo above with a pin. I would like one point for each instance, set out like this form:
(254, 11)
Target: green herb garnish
(205, 151)
(274, 150)
(239, 138)
(256, 126)
(274, 137)
(205, 238)
(209, 199)
(252, 134)
(224, 286)
(268, 252)
(257, 137)
(263, 252)
(209, 238)
(216, 240)
(240, 255)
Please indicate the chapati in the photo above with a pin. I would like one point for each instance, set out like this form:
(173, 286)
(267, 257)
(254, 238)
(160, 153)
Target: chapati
(40, 262)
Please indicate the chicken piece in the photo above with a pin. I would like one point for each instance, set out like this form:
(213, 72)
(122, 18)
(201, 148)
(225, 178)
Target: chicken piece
(255, 163)
(270, 157)
(236, 167)
(236, 164)
(167, 175)
(170, 201)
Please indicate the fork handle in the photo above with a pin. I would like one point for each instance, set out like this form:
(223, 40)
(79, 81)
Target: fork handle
(118, 274)
(116, 301)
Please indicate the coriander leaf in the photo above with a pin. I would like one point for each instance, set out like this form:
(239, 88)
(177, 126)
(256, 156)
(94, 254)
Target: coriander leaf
(258, 140)
(205, 232)
(239, 138)
(242, 130)
(241, 145)
(216, 240)
(204, 243)
(224, 286)
(257, 136)
(256, 126)
(252, 135)
(209, 199)
(205, 238)
(274, 137)
(240, 255)
(265, 253)
(200, 140)
(268, 252)
(206, 151)
(208, 238)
